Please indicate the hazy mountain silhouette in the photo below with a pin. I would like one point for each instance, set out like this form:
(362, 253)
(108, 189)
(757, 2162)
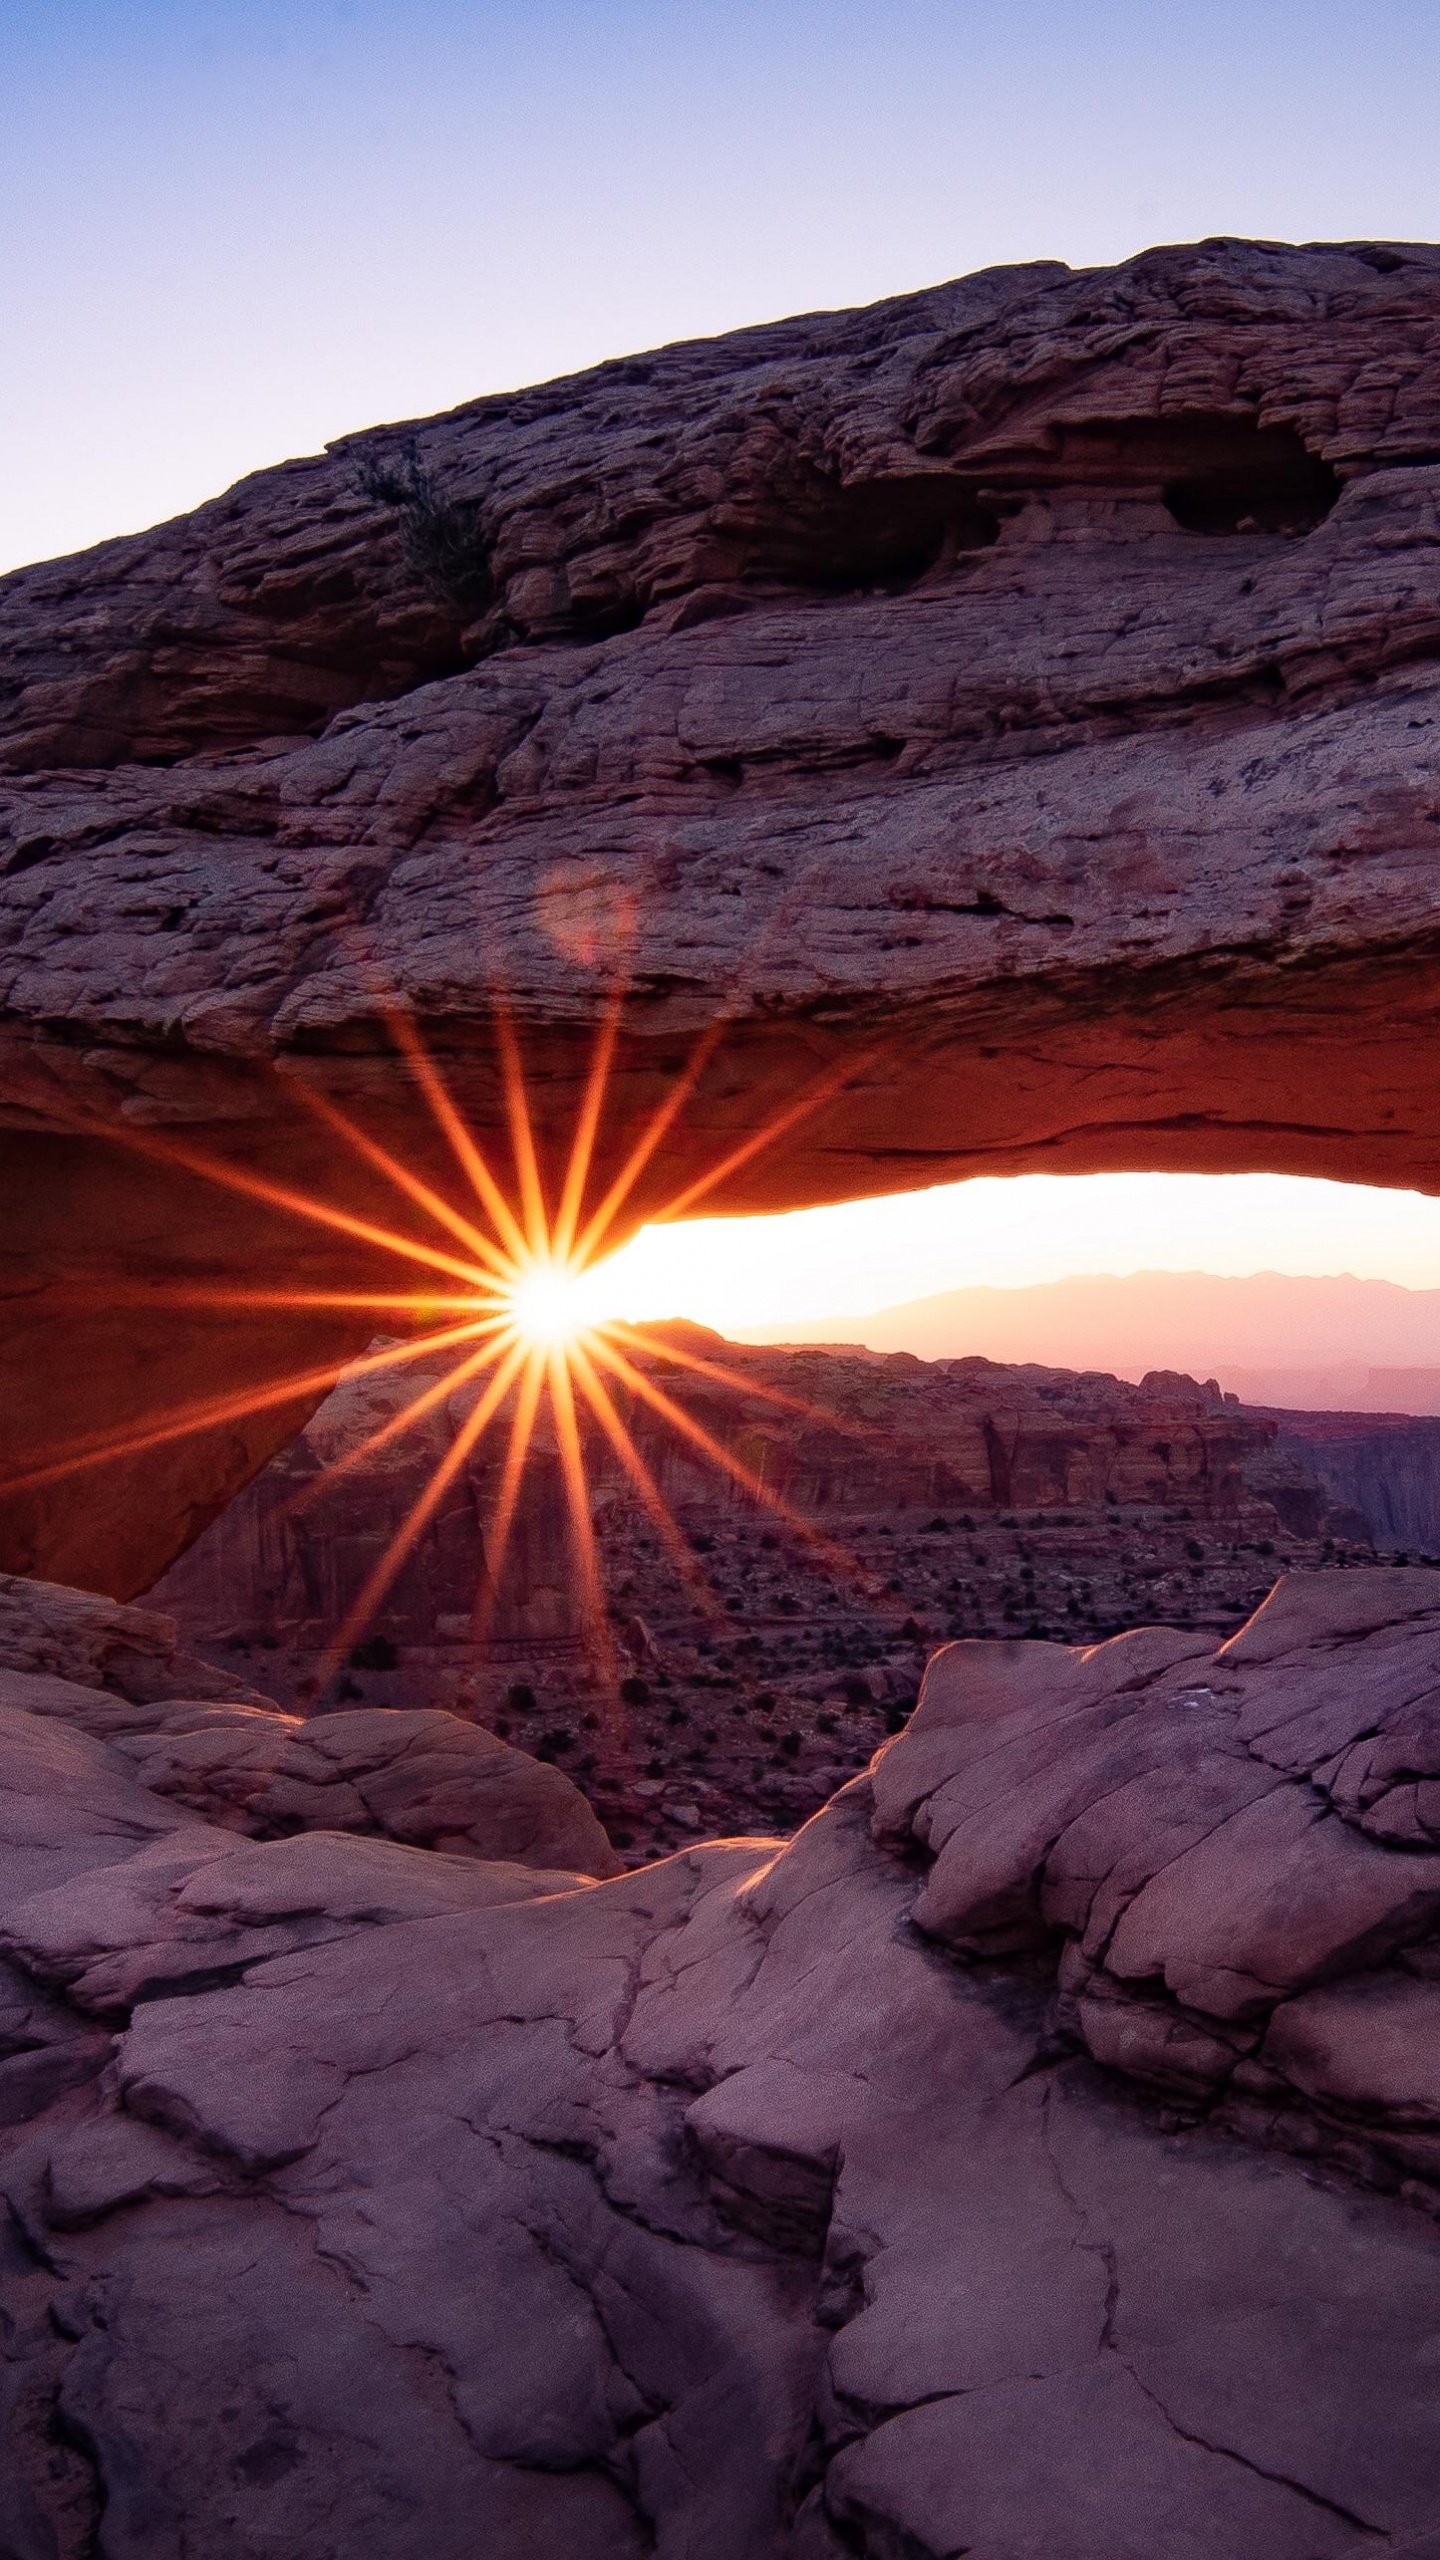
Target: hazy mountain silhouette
(1358, 1346)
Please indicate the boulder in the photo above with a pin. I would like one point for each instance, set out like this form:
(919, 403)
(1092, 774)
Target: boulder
(228, 1757)
(133, 1654)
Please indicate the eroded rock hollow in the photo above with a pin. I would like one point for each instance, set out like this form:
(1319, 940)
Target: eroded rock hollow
(993, 730)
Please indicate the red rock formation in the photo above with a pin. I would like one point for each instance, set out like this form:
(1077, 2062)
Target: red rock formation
(217, 1750)
(955, 1497)
(1386, 1464)
(733, 2208)
(1016, 701)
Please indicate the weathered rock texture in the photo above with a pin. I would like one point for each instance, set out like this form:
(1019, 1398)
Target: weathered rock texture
(214, 1747)
(1017, 701)
(774, 2201)
(948, 1497)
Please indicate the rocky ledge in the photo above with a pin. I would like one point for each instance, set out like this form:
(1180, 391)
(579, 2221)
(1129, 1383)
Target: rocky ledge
(1040, 2152)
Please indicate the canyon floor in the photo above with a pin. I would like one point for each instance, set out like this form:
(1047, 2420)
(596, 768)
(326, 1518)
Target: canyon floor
(757, 1655)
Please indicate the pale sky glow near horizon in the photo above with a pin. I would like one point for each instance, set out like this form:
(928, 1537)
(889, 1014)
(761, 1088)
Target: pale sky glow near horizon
(237, 231)
(741, 1274)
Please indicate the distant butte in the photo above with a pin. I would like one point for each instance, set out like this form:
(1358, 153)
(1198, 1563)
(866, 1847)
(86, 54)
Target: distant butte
(1016, 704)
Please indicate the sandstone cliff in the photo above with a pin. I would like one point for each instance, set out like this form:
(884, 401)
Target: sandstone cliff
(1386, 1465)
(1009, 714)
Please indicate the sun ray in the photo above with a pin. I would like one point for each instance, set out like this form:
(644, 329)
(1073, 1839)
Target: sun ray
(602, 1405)
(160, 1293)
(467, 1153)
(413, 1412)
(821, 1090)
(614, 1359)
(661, 1121)
(572, 1466)
(577, 1171)
(382, 1575)
(639, 1340)
(502, 1519)
(522, 1138)
(278, 1195)
(214, 1413)
(410, 1183)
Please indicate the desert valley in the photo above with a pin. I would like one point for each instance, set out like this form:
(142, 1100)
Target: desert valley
(756, 1660)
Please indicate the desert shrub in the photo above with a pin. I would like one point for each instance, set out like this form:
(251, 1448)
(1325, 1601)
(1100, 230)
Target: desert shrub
(441, 540)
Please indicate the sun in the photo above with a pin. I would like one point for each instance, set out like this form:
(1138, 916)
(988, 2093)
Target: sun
(549, 1304)
(517, 1290)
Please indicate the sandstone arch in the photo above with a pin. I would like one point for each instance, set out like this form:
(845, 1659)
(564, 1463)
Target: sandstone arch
(1012, 710)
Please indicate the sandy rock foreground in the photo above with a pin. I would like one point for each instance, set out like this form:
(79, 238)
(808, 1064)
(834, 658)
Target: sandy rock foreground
(1037, 2155)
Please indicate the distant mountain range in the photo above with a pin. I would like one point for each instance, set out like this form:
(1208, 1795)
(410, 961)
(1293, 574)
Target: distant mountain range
(1312, 1345)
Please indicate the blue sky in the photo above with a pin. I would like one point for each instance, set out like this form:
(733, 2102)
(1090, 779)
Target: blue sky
(235, 229)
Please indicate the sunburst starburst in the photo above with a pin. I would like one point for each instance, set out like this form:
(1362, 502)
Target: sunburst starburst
(516, 1312)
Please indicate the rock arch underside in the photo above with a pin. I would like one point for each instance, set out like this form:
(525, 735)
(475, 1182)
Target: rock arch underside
(993, 731)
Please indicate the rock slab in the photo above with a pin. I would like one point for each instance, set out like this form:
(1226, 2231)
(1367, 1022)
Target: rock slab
(771, 2201)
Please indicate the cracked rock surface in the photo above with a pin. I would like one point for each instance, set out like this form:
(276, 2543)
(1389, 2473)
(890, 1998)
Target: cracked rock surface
(1008, 716)
(779, 2199)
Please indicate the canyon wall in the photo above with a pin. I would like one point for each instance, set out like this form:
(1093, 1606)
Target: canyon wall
(1386, 1465)
(753, 1646)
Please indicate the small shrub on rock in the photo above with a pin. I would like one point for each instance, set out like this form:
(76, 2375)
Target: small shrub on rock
(441, 541)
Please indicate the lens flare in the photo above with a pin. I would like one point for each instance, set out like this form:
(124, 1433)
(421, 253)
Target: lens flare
(533, 1322)
(549, 1304)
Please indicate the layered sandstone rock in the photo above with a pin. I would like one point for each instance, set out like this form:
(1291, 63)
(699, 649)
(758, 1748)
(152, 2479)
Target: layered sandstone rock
(1211, 1836)
(734, 2209)
(844, 1439)
(1007, 714)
